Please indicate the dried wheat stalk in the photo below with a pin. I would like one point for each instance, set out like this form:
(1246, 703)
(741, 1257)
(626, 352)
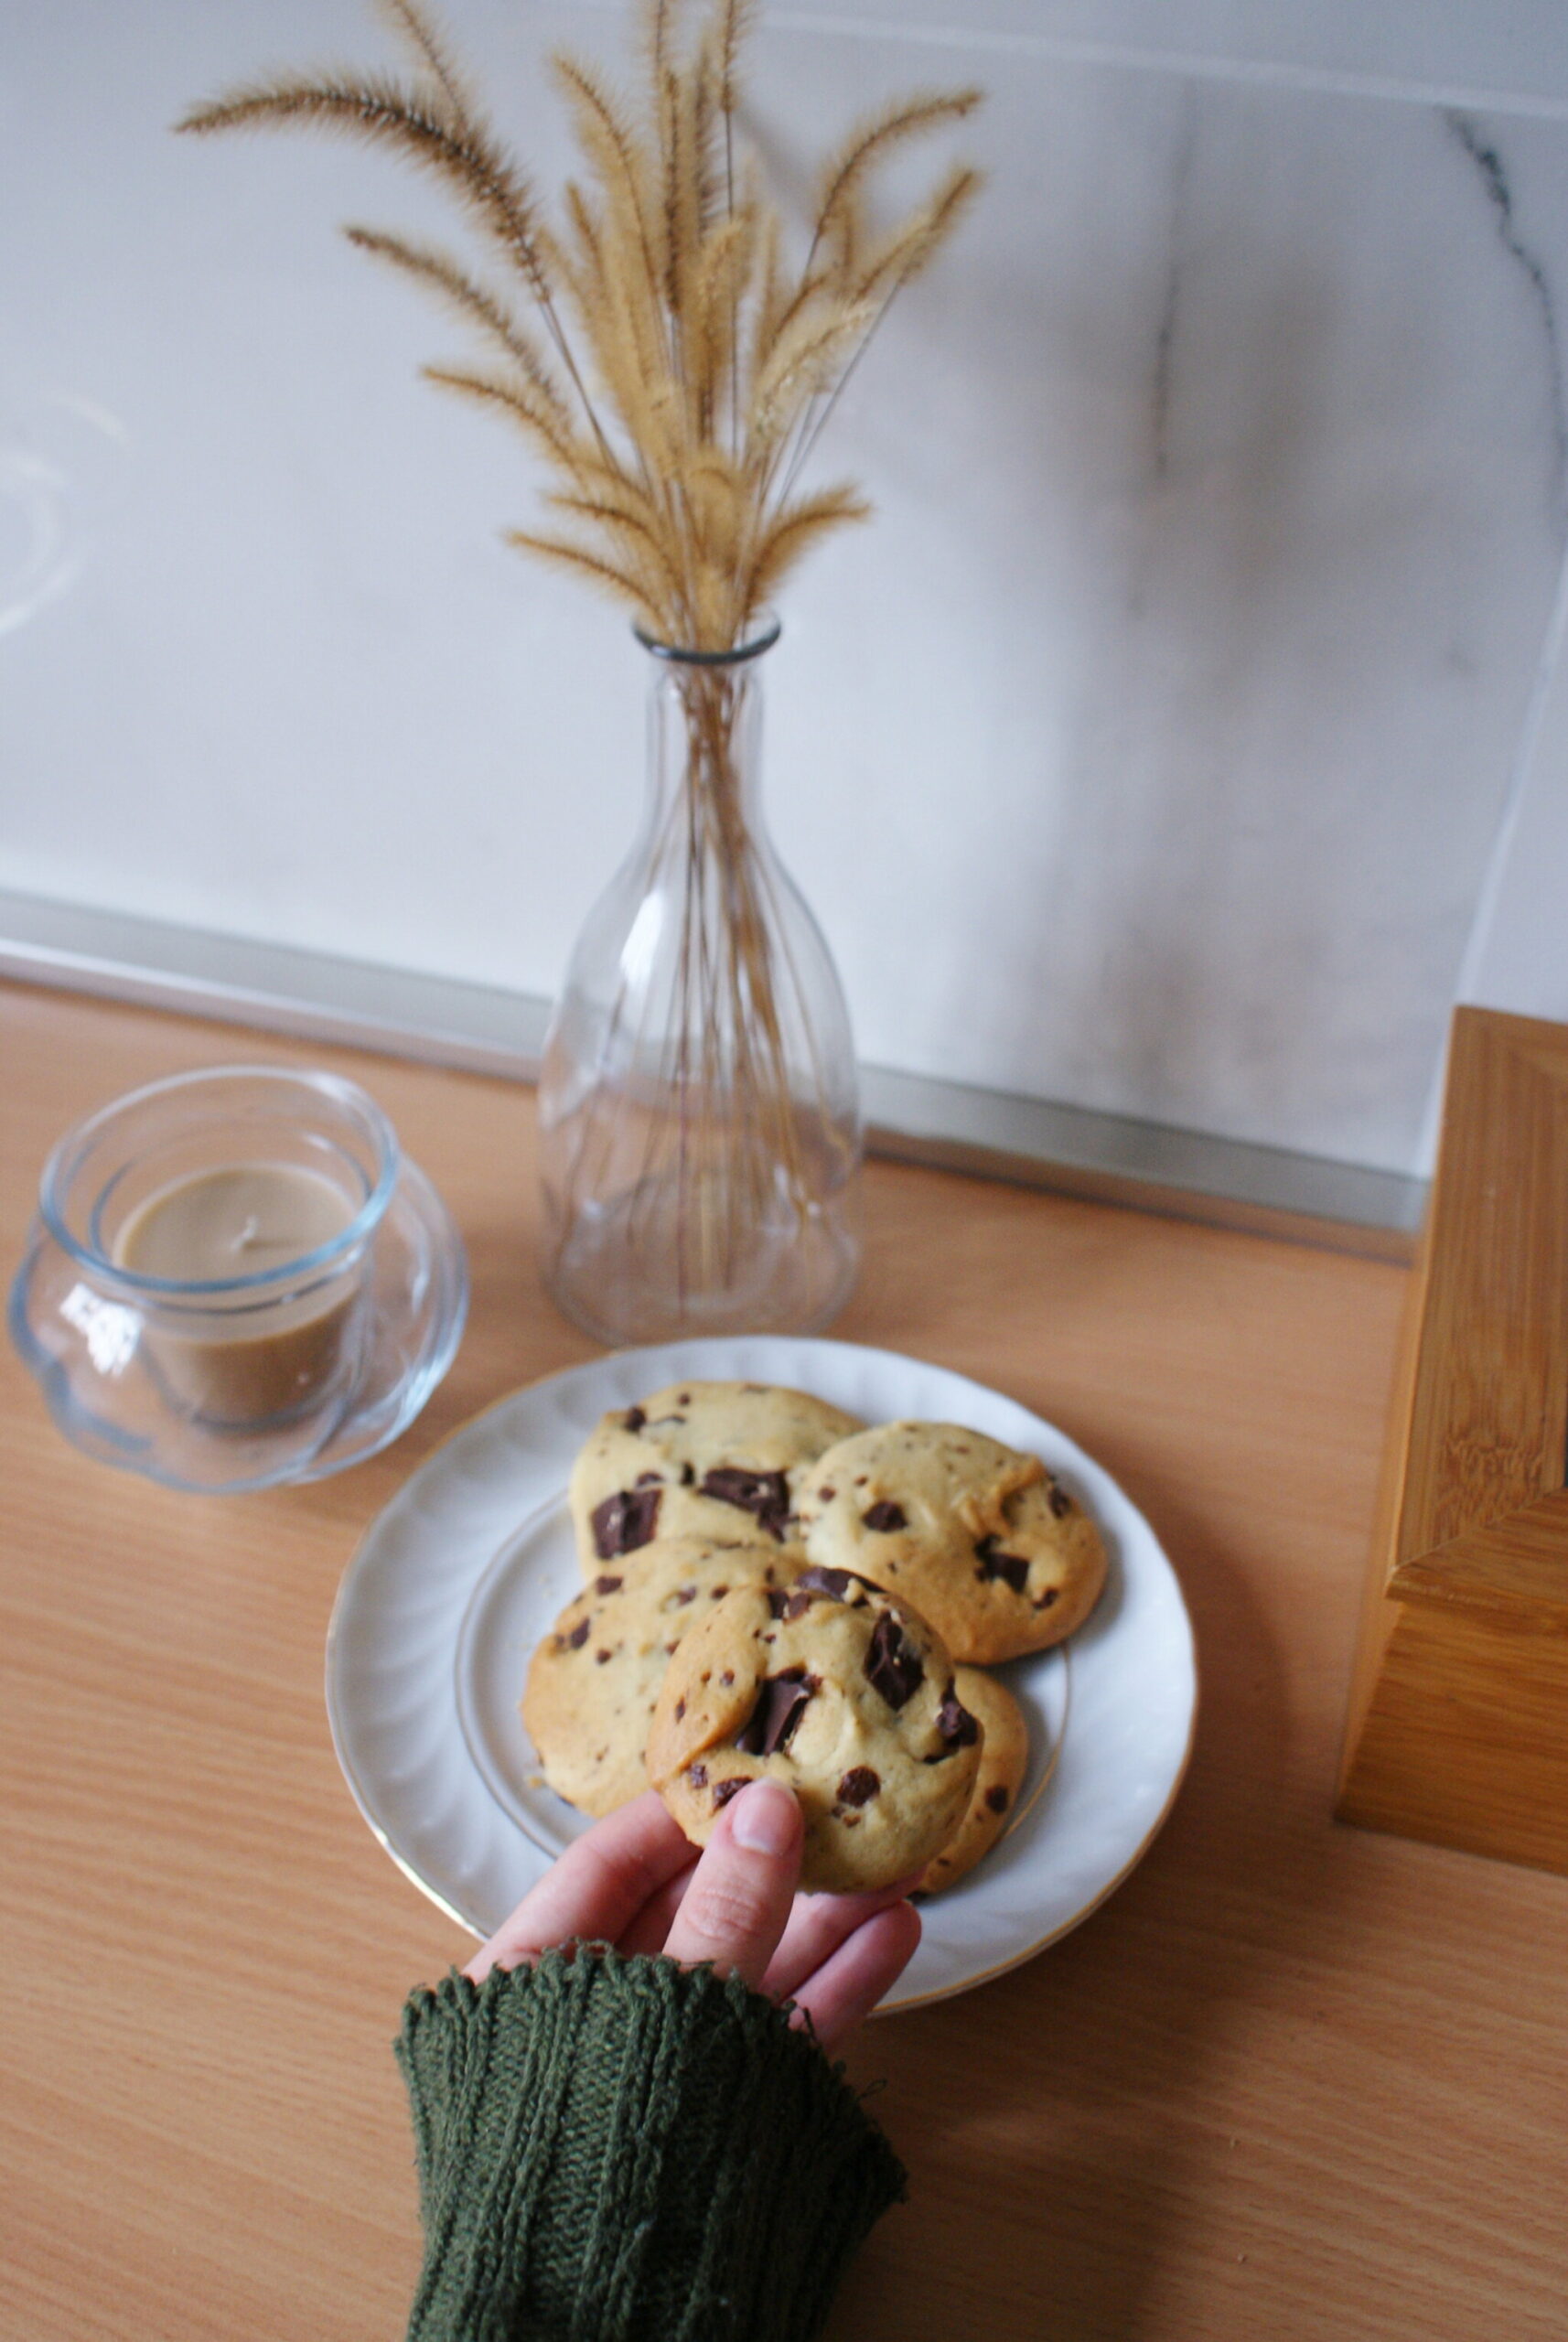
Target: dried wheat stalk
(668, 367)
(674, 372)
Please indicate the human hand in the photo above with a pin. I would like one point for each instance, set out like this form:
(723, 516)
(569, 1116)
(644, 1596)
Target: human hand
(634, 1881)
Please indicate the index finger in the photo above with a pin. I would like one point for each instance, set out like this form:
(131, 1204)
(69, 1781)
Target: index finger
(595, 1890)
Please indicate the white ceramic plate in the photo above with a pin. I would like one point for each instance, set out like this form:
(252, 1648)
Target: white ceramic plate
(457, 1580)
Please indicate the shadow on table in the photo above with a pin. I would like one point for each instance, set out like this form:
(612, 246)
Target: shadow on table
(1049, 2119)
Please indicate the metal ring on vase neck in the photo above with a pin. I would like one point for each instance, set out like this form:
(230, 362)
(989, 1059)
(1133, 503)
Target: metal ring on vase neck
(770, 626)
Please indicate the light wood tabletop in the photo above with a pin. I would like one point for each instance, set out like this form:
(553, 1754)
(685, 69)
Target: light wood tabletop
(1292, 2080)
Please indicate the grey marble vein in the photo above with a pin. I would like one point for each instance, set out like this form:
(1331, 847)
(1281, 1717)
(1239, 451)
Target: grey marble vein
(1165, 337)
(1488, 163)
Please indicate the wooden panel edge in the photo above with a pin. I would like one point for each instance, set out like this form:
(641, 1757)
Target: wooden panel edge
(1514, 1571)
(1462, 1746)
(1488, 1429)
(1378, 1613)
(1538, 1035)
(1454, 1729)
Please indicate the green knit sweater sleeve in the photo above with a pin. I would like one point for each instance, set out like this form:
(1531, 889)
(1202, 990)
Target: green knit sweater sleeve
(619, 2150)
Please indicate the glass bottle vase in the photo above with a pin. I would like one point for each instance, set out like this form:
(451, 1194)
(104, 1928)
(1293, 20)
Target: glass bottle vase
(699, 1110)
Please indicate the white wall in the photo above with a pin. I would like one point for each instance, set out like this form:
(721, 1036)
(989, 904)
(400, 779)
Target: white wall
(1187, 732)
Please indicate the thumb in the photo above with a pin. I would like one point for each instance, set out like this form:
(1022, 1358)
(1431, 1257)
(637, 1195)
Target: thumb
(735, 1907)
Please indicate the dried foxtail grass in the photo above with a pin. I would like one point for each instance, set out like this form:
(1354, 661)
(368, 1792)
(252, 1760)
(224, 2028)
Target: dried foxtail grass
(673, 370)
(652, 346)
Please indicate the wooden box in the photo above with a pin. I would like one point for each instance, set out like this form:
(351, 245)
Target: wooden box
(1459, 1724)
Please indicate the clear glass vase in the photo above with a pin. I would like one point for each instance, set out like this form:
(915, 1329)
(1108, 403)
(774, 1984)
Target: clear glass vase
(699, 1107)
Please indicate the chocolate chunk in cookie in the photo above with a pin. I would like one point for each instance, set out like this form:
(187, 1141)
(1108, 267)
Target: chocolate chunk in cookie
(765, 1495)
(892, 1662)
(625, 1520)
(780, 1704)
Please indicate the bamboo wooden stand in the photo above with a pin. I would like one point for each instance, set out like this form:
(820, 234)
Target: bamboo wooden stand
(1458, 1726)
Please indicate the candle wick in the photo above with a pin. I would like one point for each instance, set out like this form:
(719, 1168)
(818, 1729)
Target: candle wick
(248, 1235)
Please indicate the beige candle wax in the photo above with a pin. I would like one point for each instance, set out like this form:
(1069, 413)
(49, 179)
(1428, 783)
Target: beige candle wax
(241, 1357)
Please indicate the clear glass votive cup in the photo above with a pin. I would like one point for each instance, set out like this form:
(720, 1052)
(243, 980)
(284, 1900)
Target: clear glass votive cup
(195, 1301)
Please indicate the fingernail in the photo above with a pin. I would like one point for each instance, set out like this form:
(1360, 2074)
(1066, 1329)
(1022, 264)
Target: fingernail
(766, 1819)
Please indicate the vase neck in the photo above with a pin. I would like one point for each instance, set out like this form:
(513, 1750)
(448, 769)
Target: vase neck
(704, 734)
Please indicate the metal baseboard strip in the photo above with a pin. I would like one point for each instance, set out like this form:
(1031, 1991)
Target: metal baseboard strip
(1148, 1166)
(271, 986)
(1105, 1158)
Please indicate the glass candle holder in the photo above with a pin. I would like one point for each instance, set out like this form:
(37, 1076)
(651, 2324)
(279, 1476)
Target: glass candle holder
(235, 1278)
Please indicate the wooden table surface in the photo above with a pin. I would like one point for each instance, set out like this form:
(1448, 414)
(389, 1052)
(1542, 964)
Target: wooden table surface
(1291, 2080)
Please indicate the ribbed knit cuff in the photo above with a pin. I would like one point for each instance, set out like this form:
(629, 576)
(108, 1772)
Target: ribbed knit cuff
(619, 2150)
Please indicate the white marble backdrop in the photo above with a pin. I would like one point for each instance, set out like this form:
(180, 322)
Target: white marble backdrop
(1185, 736)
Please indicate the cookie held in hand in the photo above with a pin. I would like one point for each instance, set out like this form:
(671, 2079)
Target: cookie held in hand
(595, 1676)
(841, 1692)
(702, 1459)
(1004, 1760)
(981, 1538)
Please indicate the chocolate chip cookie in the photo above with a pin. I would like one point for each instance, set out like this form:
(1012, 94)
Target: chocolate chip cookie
(700, 1459)
(982, 1539)
(843, 1692)
(1004, 1761)
(593, 1680)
